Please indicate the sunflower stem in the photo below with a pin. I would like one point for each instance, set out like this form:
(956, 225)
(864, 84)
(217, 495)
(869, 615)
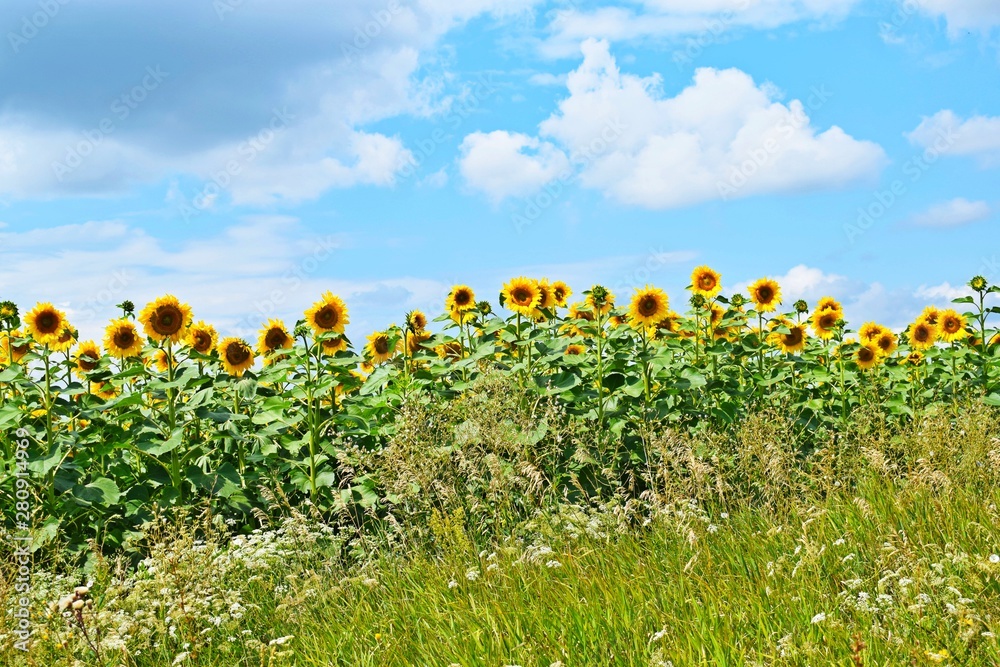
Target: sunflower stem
(600, 370)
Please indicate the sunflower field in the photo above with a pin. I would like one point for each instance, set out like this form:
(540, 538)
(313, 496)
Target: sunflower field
(163, 414)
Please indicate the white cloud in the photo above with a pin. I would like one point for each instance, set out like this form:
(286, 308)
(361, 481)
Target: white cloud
(942, 293)
(722, 136)
(977, 135)
(679, 18)
(973, 15)
(503, 164)
(267, 266)
(959, 211)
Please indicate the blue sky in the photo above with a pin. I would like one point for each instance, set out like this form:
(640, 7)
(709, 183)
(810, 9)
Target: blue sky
(247, 155)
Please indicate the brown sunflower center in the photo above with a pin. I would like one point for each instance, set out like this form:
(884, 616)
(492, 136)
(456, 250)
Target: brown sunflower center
(648, 305)
(327, 317)
(828, 320)
(87, 361)
(202, 342)
(521, 296)
(381, 344)
(866, 354)
(706, 282)
(793, 337)
(765, 294)
(885, 343)
(167, 320)
(275, 338)
(560, 294)
(237, 353)
(462, 298)
(65, 336)
(47, 322)
(124, 339)
(921, 334)
(951, 325)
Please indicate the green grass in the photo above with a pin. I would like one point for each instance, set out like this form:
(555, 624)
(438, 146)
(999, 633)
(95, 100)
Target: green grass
(740, 550)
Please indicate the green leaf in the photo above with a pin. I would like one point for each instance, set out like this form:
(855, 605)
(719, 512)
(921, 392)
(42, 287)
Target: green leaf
(101, 491)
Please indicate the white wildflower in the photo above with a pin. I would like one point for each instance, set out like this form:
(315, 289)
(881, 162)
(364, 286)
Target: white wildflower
(818, 618)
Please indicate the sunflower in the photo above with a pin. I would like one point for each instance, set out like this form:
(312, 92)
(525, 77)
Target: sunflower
(165, 319)
(236, 355)
(547, 296)
(886, 342)
(273, 337)
(766, 294)
(616, 321)
(869, 331)
(162, 360)
(649, 305)
(202, 337)
(995, 340)
(451, 350)
(66, 340)
(706, 282)
(328, 314)
(671, 322)
(415, 341)
(922, 335)
(461, 316)
(8, 310)
(45, 323)
(930, 315)
(824, 322)
(87, 358)
(867, 356)
(561, 292)
(718, 313)
(378, 349)
(121, 339)
(828, 303)
(14, 352)
(791, 342)
(522, 295)
(951, 326)
(461, 298)
(574, 349)
(601, 299)
(578, 312)
(331, 346)
(914, 358)
(104, 390)
(416, 321)
(363, 371)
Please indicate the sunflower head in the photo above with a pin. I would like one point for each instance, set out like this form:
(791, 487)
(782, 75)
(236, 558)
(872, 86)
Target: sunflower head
(600, 299)
(824, 322)
(522, 296)
(886, 342)
(867, 356)
(45, 323)
(561, 292)
(669, 323)
(951, 326)
(616, 321)
(416, 321)
(575, 349)
(273, 337)
(649, 305)
(67, 339)
(8, 313)
(332, 345)
(415, 341)
(87, 358)
(14, 345)
(869, 331)
(791, 342)
(547, 295)
(104, 390)
(828, 303)
(706, 282)
(451, 350)
(737, 301)
(484, 307)
(765, 294)
(236, 356)
(461, 298)
(698, 301)
(914, 358)
(328, 314)
(162, 360)
(165, 318)
(930, 315)
(922, 334)
(979, 284)
(801, 306)
(380, 347)
(578, 311)
(202, 337)
(122, 340)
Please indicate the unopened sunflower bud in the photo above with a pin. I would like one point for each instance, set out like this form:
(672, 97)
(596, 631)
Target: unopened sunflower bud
(698, 301)
(979, 284)
(484, 307)
(738, 300)
(801, 306)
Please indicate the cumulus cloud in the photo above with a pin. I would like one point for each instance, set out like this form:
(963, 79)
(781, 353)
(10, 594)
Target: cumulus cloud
(503, 164)
(954, 213)
(960, 15)
(722, 136)
(976, 135)
(679, 19)
(81, 113)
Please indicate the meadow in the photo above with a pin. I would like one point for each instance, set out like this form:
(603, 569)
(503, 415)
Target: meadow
(534, 480)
